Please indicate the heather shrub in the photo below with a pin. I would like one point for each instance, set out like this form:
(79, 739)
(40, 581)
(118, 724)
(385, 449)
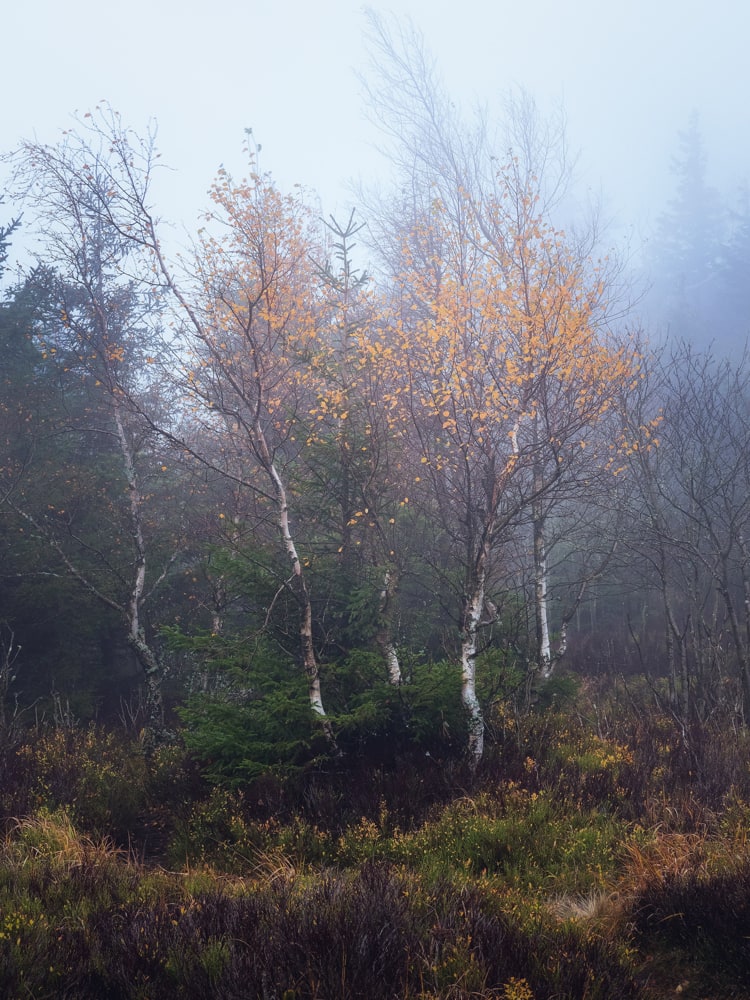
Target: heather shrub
(538, 877)
(220, 831)
(85, 921)
(99, 776)
(523, 838)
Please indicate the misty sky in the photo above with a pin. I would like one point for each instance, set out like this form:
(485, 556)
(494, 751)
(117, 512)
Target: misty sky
(628, 74)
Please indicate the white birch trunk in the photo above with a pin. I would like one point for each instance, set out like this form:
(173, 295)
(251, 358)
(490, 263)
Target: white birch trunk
(394, 667)
(383, 637)
(544, 648)
(146, 656)
(309, 661)
(473, 607)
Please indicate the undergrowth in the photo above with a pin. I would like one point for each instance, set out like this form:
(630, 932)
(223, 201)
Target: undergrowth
(599, 853)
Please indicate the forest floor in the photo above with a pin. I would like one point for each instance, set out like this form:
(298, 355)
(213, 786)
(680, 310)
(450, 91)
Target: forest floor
(600, 852)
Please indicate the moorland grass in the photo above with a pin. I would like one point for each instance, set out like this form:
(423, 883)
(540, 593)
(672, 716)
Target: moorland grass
(583, 861)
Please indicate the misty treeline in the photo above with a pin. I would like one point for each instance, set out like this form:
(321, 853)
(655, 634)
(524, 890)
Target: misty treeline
(697, 258)
(296, 498)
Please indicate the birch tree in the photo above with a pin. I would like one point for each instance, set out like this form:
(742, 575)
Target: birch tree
(507, 374)
(252, 323)
(499, 329)
(96, 329)
(243, 316)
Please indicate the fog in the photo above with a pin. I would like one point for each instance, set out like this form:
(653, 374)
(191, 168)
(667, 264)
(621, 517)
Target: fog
(264, 473)
(628, 77)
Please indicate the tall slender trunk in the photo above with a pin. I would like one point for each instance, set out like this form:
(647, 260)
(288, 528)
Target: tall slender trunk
(473, 606)
(544, 664)
(151, 667)
(218, 604)
(474, 601)
(298, 582)
(146, 656)
(384, 634)
(541, 609)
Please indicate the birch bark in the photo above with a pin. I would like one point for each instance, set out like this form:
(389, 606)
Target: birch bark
(298, 582)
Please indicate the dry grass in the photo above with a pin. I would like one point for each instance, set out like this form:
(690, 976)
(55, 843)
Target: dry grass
(273, 866)
(665, 858)
(602, 912)
(52, 836)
